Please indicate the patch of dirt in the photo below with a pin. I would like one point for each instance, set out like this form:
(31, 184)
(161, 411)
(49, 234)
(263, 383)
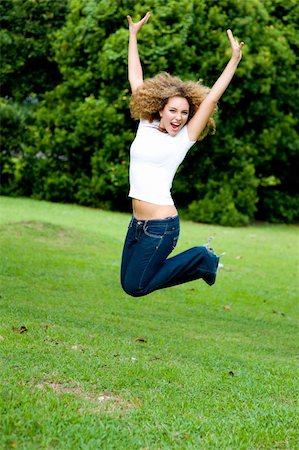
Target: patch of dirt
(41, 231)
(103, 401)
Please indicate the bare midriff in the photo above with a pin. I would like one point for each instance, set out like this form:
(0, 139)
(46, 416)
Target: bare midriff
(149, 211)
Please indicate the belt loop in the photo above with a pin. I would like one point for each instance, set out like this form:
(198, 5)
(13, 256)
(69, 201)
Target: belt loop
(145, 224)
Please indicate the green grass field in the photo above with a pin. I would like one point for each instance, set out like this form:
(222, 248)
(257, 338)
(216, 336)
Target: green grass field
(84, 366)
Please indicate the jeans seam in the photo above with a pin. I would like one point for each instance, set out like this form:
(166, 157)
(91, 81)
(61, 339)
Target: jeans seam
(145, 269)
(155, 236)
(165, 233)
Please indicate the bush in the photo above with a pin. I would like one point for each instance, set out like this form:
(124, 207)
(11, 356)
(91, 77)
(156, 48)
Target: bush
(73, 144)
(230, 202)
(14, 120)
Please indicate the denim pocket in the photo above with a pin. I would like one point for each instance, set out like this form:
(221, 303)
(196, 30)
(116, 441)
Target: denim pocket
(154, 231)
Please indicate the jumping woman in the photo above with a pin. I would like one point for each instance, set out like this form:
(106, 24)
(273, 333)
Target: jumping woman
(173, 115)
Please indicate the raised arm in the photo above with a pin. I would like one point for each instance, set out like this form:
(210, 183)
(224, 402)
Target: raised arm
(135, 73)
(198, 122)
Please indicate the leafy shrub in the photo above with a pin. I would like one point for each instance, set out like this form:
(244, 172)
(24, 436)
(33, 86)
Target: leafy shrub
(14, 131)
(66, 127)
(229, 202)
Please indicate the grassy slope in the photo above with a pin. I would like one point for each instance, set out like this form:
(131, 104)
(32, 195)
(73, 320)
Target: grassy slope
(217, 370)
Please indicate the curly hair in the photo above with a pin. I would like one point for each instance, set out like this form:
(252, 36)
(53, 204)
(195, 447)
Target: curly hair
(154, 93)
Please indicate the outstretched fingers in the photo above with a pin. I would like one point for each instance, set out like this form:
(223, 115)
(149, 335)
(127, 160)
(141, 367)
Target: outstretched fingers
(235, 46)
(233, 41)
(145, 18)
(137, 25)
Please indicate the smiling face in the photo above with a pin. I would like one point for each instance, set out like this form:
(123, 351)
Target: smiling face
(174, 115)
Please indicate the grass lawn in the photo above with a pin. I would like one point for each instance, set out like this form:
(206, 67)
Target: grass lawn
(84, 366)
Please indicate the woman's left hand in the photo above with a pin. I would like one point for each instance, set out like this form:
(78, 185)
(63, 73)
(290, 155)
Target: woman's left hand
(235, 46)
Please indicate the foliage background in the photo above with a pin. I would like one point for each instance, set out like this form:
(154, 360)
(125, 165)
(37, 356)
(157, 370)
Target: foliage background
(65, 123)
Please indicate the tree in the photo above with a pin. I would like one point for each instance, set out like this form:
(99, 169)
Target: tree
(27, 27)
(27, 71)
(79, 131)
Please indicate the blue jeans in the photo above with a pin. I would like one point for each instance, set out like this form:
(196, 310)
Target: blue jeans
(145, 266)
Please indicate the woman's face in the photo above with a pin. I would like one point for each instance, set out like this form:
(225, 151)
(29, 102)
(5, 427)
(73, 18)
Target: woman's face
(174, 115)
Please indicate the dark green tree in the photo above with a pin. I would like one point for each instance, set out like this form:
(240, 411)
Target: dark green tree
(27, 71)
(77, 135)
(26, 34)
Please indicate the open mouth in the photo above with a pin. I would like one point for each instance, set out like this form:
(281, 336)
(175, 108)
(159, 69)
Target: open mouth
(175, 126)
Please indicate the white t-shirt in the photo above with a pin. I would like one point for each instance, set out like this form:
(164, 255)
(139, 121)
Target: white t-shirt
(154, 159)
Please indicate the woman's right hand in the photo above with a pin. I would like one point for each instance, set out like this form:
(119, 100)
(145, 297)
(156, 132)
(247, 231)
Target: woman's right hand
(136, 27)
